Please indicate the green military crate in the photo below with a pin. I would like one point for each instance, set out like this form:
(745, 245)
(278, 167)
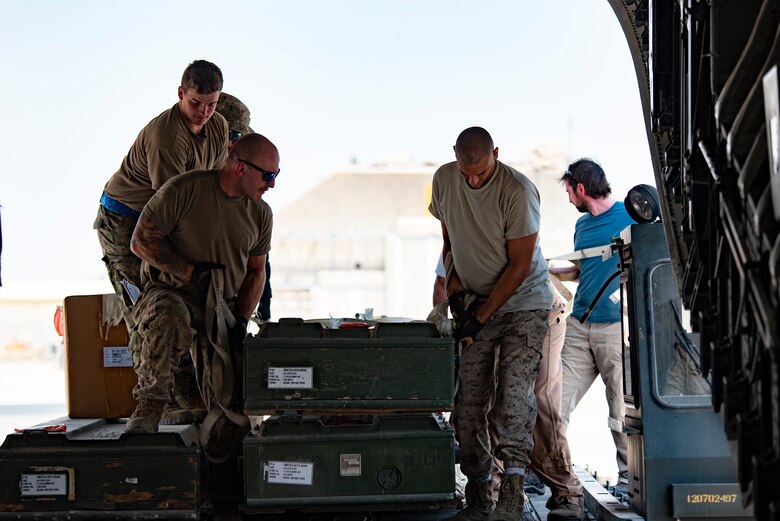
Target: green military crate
(302, 366)
(330, 463)
(94, 470)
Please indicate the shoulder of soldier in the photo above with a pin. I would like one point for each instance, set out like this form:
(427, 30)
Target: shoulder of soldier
(265, 210)
(514, 175)
(445, 170)
(515, 182)
(184, 180)
(218, 124)
(150, 130)
(166, 129)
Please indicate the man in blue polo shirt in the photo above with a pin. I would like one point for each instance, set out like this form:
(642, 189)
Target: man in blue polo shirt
(593, 344)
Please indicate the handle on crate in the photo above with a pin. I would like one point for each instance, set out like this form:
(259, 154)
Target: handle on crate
(351, 421)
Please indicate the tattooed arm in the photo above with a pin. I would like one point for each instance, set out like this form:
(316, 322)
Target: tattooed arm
(151, 245)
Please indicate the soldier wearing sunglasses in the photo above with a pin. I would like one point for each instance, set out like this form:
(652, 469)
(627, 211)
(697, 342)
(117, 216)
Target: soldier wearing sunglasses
(201, 223)
(238, 118)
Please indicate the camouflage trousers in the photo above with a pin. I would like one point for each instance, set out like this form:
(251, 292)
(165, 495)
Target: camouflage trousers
(516, 339)
(114, 232)
(168, 324)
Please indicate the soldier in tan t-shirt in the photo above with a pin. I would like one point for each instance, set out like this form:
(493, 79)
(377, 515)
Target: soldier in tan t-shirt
(490, 216)
(184, 137)
(198, 223)
(238, 118)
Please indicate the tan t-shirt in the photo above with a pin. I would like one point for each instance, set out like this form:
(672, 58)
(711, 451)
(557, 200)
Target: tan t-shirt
(480, 221)
(204, 224)
(164, 148)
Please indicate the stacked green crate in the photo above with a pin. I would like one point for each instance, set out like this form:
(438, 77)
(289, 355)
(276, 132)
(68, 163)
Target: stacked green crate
(390, 461)
(372, 437)
(305, 367)
(92, 469)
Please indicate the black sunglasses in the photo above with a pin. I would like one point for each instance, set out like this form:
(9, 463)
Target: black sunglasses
(267, 176)
(233, 135)
(573, 178)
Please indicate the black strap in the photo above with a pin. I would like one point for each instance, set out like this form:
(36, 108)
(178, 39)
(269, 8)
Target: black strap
(587, 313)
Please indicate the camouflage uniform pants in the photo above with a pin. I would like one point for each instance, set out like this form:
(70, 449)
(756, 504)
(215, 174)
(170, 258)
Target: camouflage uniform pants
(168, 324)
(114, 232)
(516, 339)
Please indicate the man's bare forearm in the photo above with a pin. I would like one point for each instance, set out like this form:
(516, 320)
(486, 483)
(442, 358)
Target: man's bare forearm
(151, 245)
(251, 290)
(510, 280)
(520, 256)
(570, 273)
(453, 283)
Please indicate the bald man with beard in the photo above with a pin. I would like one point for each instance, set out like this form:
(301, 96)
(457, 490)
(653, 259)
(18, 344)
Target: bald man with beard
(490, 218)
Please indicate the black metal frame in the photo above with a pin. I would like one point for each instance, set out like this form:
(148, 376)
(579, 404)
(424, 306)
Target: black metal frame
(699, 66)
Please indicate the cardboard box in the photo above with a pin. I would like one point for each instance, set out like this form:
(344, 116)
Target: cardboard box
(99, 376)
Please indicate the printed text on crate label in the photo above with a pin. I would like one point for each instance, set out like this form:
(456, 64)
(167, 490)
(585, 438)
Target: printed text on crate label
(290, 377)
(290, 472)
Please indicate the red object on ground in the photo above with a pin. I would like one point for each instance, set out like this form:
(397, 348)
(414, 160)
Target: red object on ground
(48, 428)
(353, 325)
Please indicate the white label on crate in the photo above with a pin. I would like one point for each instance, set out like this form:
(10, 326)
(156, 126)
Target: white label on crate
(117, 357)
(290, 377)
(289, 472)
(349, 464)
(44, 485)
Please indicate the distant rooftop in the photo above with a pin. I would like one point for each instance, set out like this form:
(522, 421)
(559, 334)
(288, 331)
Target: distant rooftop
(367, 201)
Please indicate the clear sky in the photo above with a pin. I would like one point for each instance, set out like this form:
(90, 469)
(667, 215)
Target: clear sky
(328, 82)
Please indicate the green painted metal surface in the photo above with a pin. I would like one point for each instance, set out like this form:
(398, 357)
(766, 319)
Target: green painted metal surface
(94, 467)
(392, 460)
(386, 367)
